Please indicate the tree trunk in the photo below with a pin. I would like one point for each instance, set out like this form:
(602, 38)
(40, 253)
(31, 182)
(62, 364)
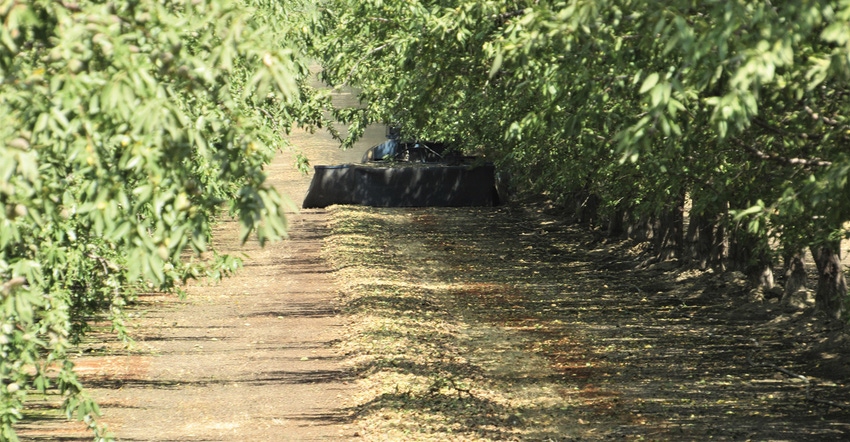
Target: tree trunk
(831, 293)
(750, 254)
(795, 273)
(720, 246)
(670, 239)
(705, 240)
(765, 276)
(616, 224)
(693, 235)
(642, 230)
(587, 208)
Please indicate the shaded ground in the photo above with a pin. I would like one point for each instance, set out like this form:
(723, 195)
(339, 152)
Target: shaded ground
(504, 324)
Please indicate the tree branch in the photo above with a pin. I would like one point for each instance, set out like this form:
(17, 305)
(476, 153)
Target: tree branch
(71, 6)
(356, 65)
(764, 125)
(505, 16)
(7, 287)
(815, 116)
(805, 162)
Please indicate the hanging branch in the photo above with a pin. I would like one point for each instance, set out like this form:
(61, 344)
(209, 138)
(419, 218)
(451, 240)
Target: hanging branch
(505, 16)
(805, 162)
(363, 58)
(815, 116)
(7, 287)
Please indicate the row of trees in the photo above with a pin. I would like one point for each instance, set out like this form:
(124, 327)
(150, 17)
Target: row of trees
(633, 111)
(129, 126)
(126, 128)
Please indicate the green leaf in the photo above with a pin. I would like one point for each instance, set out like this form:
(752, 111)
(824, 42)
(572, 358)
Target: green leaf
(497, 64)
(649, 83)
(837, 33)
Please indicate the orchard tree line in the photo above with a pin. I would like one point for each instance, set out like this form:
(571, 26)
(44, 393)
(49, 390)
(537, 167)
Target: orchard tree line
(632, 113)
(126, 129)
(129, 127)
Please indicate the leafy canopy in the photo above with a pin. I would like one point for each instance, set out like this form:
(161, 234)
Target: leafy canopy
(127, 127)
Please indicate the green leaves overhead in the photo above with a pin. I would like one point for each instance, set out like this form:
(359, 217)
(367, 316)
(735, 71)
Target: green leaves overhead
(628, 98)
(735, 107)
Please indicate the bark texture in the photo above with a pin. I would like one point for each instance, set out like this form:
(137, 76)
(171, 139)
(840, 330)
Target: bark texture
(831, 292)
(795, 273)
(705, 240)
(750, 254)
(669, 241)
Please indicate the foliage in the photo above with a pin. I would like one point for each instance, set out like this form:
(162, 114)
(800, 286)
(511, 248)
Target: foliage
(741, 106)
(126, 128)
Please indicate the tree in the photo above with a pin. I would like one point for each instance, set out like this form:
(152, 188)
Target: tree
(738, 107)
(127, 128)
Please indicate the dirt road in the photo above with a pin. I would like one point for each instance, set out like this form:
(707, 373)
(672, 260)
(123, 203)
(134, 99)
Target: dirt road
(509, 324)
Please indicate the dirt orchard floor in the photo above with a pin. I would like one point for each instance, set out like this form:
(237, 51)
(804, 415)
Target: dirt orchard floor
(507, 324)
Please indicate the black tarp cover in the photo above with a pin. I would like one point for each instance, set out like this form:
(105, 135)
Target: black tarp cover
(416, 185)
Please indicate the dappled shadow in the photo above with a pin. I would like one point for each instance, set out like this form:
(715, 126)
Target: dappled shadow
(260, 379)
(646, 352)
(491, 420)
(318, 419)
(297, 311)
(391, 302)
(305, 377)
(449, 370)
(672, 355)
(52, 438)
(192, 439)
